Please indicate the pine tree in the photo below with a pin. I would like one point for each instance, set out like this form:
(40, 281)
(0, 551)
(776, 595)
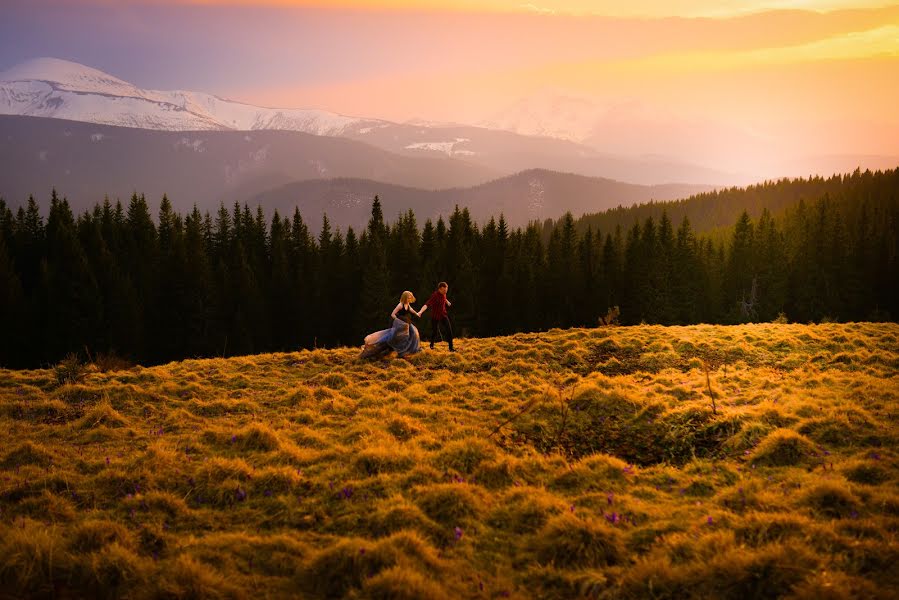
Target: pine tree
(375, 304)
(13, 314)
(73, 299)
(740, 272)
(664, 272)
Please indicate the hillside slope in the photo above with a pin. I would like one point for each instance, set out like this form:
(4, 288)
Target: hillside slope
(575, 463)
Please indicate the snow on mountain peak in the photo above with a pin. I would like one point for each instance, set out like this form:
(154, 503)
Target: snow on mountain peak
(68, 75)
(52, 87)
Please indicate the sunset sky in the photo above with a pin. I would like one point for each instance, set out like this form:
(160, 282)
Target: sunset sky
(695, 78)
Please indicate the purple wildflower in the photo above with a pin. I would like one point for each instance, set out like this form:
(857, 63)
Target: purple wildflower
(346, 492)
(268, 493)
(457, 532)
(853, 515)
(609, 497)
(709, 520)
(107, 461)
(571, 508)
(361, 550)
(233, 439)
(241, 495)
(612, 517)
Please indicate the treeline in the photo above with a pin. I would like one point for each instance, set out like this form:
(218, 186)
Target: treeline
(113, 280)
(717, 211)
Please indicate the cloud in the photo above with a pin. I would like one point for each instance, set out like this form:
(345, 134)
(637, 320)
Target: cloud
(537, 9)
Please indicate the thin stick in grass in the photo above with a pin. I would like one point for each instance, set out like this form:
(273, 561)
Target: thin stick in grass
(708, 383)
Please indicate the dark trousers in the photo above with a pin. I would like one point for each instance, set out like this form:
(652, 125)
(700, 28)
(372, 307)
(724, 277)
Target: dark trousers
(442, 328)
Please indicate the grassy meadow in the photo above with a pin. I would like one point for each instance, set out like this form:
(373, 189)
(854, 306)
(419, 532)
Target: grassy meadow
(567, 464)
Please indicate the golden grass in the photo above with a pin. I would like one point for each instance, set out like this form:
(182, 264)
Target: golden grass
(566, 464)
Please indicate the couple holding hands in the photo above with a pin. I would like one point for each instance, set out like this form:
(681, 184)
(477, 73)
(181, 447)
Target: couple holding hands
(403, 335)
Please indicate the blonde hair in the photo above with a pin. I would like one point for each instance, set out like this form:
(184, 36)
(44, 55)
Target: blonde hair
(407, 297)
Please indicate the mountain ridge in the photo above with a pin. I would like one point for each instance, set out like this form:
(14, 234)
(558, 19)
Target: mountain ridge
(54, 88)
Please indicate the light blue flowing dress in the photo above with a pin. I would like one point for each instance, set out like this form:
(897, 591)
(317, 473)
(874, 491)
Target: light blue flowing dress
(402, 337)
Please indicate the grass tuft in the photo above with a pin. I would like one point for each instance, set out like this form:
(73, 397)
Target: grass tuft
(783, 448)
(567, 541)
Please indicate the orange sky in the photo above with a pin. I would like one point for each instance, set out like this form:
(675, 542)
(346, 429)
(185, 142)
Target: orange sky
(642, 8)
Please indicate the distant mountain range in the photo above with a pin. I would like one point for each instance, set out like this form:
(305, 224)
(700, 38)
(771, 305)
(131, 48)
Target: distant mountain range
(283, 169)
(91, 135)
(54, 88)
(532, 195)
(88, 161)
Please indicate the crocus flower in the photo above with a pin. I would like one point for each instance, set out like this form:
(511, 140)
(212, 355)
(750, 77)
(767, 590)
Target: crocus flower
(457, 532)
(709, 520)
(612, 518)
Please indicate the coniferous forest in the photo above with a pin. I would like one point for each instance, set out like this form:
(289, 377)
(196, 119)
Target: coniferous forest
(118, 280)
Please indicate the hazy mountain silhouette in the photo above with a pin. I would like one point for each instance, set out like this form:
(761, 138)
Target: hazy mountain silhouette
(527, 196)
(87, 161)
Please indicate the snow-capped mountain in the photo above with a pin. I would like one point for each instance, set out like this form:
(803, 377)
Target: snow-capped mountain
(51, 87)
(61, 89)
(550, 113)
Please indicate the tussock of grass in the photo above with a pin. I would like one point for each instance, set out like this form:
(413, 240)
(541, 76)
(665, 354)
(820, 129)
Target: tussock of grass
(26, 453)
(568, 540)
(449, 504)
(783, 448)
(565, 464)
(831, 500)
(350, 563)
(103, 414)
(398, 583)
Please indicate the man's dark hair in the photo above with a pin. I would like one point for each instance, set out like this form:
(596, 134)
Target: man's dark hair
(442, 284)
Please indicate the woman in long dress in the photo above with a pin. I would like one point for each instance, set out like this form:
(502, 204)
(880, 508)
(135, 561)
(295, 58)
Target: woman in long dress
(402, 336)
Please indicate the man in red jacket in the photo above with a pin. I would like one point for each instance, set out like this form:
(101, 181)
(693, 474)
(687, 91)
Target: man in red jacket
(440, 322)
